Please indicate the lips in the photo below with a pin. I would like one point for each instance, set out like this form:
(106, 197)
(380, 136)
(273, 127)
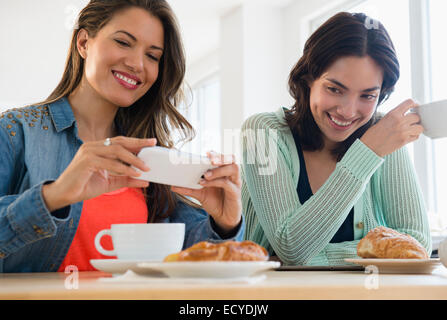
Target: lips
(127, 80)
(340, 124)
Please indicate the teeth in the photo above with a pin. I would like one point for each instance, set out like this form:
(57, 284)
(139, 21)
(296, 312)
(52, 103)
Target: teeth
(130, 81)
(342, 124)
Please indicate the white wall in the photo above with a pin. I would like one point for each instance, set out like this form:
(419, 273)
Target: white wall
(263, 54)
(199, 70)
(231, 63)
(35, 36)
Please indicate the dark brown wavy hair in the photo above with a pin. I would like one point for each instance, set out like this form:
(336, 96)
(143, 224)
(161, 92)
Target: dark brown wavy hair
(155, 114)
(344, 34)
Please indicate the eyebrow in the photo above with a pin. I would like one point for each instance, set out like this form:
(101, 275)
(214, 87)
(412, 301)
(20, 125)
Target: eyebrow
(135, 39)
(346, 88)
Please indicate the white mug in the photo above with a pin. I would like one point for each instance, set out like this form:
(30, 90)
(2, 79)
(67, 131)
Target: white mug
(144, 241)
(433, 118)
(442, 252)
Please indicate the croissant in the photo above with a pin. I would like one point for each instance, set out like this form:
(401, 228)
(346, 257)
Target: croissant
(386, 243)
(224, 251)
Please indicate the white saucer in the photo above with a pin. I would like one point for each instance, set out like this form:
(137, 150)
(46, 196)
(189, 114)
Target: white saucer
(209, 269)
(406, 266)
(116, 266)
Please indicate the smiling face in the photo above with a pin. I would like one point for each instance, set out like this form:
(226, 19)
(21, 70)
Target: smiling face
(122, 60)
(345, 97)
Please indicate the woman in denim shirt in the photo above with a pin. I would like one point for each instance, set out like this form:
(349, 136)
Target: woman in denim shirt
(122, 80)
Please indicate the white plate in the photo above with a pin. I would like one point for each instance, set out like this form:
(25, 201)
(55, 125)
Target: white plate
(116, 266)
(210, 269)
(399, 265)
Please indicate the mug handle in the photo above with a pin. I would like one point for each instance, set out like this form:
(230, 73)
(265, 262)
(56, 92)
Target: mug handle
(98, 243)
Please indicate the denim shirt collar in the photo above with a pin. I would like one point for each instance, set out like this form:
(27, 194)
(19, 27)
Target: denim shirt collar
(63, 117)
(61, 114)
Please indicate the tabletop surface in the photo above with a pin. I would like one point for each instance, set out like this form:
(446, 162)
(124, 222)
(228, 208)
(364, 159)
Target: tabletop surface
(275, 285)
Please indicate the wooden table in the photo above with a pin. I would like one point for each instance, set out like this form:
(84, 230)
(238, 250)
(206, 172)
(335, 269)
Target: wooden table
(278, 285)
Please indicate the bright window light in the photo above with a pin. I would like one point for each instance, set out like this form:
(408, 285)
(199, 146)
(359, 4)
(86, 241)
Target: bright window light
(439, 92)
(203, 114)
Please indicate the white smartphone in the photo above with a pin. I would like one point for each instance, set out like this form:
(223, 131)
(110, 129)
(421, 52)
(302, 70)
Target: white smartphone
(173, 167)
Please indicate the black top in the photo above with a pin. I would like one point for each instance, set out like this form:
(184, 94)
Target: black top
(346, 230)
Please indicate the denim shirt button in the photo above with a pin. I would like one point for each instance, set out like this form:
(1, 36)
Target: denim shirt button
(360, 225)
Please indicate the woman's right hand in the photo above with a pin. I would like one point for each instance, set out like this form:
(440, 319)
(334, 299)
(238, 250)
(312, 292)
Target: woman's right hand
(97, 169)
(394, 130)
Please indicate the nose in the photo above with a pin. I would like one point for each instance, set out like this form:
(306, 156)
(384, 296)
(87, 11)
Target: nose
(135, 61)
(347, 109)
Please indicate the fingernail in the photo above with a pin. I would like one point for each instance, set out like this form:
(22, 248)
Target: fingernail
(208, 174)
(202, 181)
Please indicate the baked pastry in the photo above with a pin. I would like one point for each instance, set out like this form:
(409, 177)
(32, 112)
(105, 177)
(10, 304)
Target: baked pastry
(386, 243)
(224, 251)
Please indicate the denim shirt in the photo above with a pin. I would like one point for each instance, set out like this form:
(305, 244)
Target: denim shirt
(37, 143)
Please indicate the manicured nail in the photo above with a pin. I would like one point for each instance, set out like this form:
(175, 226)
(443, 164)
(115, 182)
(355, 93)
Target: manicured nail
(208, 174)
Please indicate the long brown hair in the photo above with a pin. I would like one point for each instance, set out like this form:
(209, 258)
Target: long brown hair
(155, 114)
(344, 34)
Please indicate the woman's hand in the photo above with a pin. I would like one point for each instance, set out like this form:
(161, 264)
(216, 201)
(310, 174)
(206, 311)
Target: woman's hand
(221, 192)
(96, 169)
(394, 130)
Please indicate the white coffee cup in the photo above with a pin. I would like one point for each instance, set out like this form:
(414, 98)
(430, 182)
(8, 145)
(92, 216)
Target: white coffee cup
(433, 118)
(442, 252)
(144, 241)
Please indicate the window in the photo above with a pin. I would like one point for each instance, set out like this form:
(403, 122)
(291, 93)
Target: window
(203, 112)
(437, 11)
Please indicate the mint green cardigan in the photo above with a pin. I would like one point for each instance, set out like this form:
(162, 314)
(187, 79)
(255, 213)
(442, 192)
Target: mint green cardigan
(383, 191)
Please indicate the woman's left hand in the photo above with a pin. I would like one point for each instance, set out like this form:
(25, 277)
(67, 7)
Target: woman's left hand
(221, 192)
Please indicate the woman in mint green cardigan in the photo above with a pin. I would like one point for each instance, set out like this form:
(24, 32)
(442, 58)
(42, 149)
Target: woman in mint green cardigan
(319, 176)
